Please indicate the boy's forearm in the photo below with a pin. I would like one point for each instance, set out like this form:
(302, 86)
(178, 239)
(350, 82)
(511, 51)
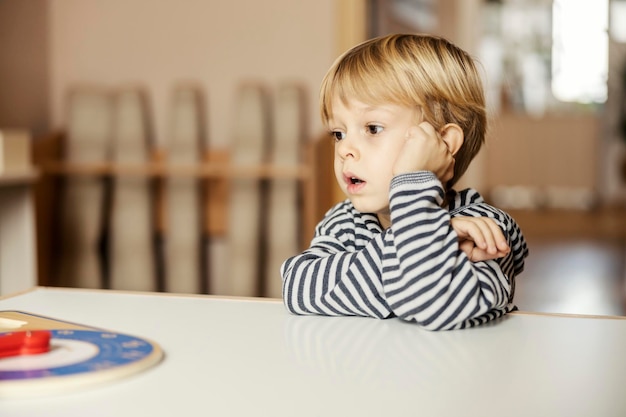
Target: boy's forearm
(431, 281)
(326, 283)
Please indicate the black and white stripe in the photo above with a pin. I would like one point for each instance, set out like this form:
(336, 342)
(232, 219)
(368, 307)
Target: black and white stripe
(414, 270)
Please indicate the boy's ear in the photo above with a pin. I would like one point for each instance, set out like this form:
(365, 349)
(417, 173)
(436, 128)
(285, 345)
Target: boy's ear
(453, 136)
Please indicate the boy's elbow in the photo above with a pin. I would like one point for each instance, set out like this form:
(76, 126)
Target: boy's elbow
(426, 323)
(289, 307)
(290, 300)
(292, 307)
(432, 322)
(430, 326)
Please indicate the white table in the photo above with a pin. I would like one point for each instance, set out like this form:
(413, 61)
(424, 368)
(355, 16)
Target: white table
(249, 357)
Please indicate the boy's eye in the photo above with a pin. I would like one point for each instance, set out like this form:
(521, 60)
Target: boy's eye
(374, 129)
(338, 135)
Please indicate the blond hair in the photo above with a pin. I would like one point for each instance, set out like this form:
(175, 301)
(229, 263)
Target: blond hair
(414, 70)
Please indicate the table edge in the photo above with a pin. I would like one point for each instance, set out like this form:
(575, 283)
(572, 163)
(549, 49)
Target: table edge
(260, 300)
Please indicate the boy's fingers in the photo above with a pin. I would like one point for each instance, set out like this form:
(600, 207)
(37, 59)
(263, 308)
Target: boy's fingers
(472, 231)
(490, 232)
(500, 242)
(488, 235)
(485, 233)
(467, 246)
(476, 254)
(481, 255)
(428, 128)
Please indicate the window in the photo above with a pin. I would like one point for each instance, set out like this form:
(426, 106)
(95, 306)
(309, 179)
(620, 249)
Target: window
(542, 55)
(580, 50)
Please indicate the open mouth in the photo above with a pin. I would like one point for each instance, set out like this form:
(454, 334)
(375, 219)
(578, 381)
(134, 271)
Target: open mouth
(353, 182)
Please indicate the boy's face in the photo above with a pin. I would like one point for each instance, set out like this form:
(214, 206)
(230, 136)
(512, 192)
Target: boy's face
(368, 139)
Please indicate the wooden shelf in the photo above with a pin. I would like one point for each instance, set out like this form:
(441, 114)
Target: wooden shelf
(214, 173)
(208, 171)
(21, 177)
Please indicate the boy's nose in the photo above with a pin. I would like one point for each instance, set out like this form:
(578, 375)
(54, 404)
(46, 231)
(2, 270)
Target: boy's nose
(346, 148)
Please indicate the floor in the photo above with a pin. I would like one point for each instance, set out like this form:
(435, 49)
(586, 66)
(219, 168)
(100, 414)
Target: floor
(576, 264)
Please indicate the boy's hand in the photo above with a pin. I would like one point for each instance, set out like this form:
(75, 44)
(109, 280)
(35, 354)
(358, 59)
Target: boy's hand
(424, 150)
(480, 238)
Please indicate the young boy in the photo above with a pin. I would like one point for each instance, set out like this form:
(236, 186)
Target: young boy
(407, 114)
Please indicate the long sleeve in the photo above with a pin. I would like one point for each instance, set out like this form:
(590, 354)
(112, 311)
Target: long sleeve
(427, 278)
(414, 270)
(340, 272)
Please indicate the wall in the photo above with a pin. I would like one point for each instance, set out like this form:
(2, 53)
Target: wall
(48, 45)
(555, 150)
(216, 44)
(24, 77)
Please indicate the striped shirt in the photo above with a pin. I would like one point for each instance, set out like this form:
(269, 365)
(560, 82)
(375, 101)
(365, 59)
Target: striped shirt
(414, 270)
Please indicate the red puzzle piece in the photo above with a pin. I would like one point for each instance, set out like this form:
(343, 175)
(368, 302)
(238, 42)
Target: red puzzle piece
(24, 343)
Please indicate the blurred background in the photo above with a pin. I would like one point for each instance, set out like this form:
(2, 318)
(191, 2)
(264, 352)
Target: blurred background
(555, 157)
